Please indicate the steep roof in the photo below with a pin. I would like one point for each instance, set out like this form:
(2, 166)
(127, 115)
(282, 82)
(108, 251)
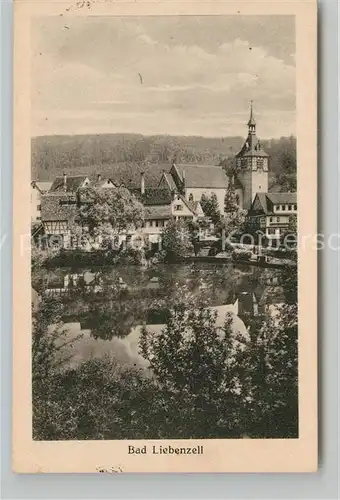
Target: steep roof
(129, 175)
(72, 183)
(252, 147)
(42, 186)
(153, 196)
(203, 176)
(167, 178)
(59, 207)
(263, 202)
(282, 198)
(98, 183)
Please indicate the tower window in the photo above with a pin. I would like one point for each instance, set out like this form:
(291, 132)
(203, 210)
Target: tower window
(259, 163)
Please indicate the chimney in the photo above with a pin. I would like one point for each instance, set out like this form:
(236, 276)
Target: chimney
(99, 177)
(65, 181)
(142, 183)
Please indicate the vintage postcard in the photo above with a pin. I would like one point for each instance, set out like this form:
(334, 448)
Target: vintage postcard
(165, 293)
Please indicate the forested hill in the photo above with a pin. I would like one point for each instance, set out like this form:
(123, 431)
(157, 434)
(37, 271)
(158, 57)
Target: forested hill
(82, 154)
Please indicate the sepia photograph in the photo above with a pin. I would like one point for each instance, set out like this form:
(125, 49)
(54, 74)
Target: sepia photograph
(164, 216)
(164, 241)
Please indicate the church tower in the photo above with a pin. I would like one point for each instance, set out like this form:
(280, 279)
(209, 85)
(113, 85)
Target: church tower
(252, 165)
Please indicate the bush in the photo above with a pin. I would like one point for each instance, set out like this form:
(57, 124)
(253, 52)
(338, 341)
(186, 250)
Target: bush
(241, 255)
(217, 247)
(131, 256)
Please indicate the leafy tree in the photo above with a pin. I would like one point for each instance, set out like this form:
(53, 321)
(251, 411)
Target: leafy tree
(210, 207)
(66, 401)
(285, 171)
(229, 165)
(111, 211)
(273, 408)
(48, 339)
(96, 400)
(176, 243)
(195, 366)
(230, 203)
(232, 222)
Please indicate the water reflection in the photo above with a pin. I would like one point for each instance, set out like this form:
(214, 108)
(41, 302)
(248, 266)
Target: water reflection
(109, 305)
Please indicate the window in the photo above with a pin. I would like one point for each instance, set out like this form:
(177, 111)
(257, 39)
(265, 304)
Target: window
(178, 208)
(259, 163)
(295, 207)
(39, 207)
(277, 219)
(271, 231)
(156, 223)
(283, 208)
(271, 219)
(191, 197)
(289, 207)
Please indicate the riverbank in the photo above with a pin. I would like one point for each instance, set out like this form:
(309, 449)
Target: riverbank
(228, 259)
(97, 258)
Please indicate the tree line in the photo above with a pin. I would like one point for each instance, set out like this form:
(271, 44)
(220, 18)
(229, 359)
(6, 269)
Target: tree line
(86, 154)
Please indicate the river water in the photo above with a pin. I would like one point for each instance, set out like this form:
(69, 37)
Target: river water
(104, 308)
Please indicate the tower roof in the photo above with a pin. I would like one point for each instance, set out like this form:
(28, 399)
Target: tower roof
(252, 145)
(251, 121)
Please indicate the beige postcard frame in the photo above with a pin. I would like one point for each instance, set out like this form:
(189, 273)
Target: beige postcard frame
(230, 455)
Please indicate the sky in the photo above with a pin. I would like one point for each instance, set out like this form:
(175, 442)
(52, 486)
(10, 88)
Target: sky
(178, 75)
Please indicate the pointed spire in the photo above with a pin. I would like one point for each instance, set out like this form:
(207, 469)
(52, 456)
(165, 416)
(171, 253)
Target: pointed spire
(251, 122)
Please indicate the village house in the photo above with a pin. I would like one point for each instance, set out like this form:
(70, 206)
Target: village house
(38, 188)
(69, 183)
(59, 212)
(193, 181)
(60, 207)
(270, 215)
(162, 205)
